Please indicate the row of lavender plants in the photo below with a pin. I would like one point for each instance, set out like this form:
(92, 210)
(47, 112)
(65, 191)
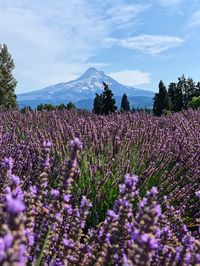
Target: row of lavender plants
(66, 197)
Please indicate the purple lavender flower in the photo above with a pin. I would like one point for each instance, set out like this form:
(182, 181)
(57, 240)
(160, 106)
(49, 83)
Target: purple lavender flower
(58, 216)
(76, 143)
(67, 197)
(197, 193)
(33, 189)
(8, 239)
(8, 162)
(55, 193)
(14, 180)
(130, 179)
(14, 205)
(47, 144)
(153, 243)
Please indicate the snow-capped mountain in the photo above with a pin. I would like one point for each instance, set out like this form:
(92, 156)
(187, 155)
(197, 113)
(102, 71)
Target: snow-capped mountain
(83, 88)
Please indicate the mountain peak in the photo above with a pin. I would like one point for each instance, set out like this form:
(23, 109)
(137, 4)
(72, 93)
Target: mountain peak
(91, 71)
(83, 88)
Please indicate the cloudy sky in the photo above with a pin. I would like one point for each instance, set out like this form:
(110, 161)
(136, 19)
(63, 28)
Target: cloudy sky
(137, 42)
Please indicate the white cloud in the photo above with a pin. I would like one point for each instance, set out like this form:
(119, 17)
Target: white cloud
(195, 19)
(151, 44)
(122, 15)
(54, 40)
(131, 77)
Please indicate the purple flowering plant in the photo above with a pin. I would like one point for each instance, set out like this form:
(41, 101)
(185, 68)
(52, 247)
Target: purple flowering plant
(81, 189)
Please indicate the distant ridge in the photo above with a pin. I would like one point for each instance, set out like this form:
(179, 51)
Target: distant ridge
(82, 89)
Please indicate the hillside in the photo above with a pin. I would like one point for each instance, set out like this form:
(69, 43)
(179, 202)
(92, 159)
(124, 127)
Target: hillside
(82, 91)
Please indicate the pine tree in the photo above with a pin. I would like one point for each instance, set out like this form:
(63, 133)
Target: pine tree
(7, 81)
(183, 86)
(108, 100)
(133, 109)
(98, 104)
(61, 107)
(125, 103)
(172, 95)
(179, 94)
(161, 100)
(26, 109)
(46, 107)
(71, 106)
(191, 86)
(197, 90)
(156, 105)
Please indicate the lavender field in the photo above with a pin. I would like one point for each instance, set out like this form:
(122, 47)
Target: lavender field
(82, 189)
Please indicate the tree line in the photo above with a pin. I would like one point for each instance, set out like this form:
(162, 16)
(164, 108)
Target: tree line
(178, 96)
(50, 107)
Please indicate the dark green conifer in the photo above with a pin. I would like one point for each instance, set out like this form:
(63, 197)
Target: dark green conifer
(98, 104)
(7, 81)
(71, 106)
(108, 100)
(161, 100)
(172, 95)
(125, 103)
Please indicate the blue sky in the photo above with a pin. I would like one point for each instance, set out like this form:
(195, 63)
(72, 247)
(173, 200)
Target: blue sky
(136, 42)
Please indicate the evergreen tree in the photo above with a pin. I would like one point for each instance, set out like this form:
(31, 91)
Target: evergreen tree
(133, 109)
(108, 100)
(156, 105)
(46, 107)
(172, 95)
(191, 88)
(179, 94)
(26, 109)
(7, 81)
(182, 84)
(125, 103)
(71, 106)
(98, 104)
(197, 90)
(61, 106)
(161, 100)
(40, 107)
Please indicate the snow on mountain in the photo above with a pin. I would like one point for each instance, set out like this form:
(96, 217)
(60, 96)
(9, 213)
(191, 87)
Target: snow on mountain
(82, 88)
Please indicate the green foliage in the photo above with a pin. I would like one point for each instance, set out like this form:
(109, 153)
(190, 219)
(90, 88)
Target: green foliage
(71, 106)
(133, 110)
(47, 107)
(125, 103)
(194, 103)
(167, 112)
(101, 187)
(51, 107)
(161, 100)
(26, 109)
(181, 87)
(104, 103)
(108, 100)
(172, 89)
(7, 81)
(61, 106)
(197, 89)
(190, 91)
(178, 98)
(98, 104)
